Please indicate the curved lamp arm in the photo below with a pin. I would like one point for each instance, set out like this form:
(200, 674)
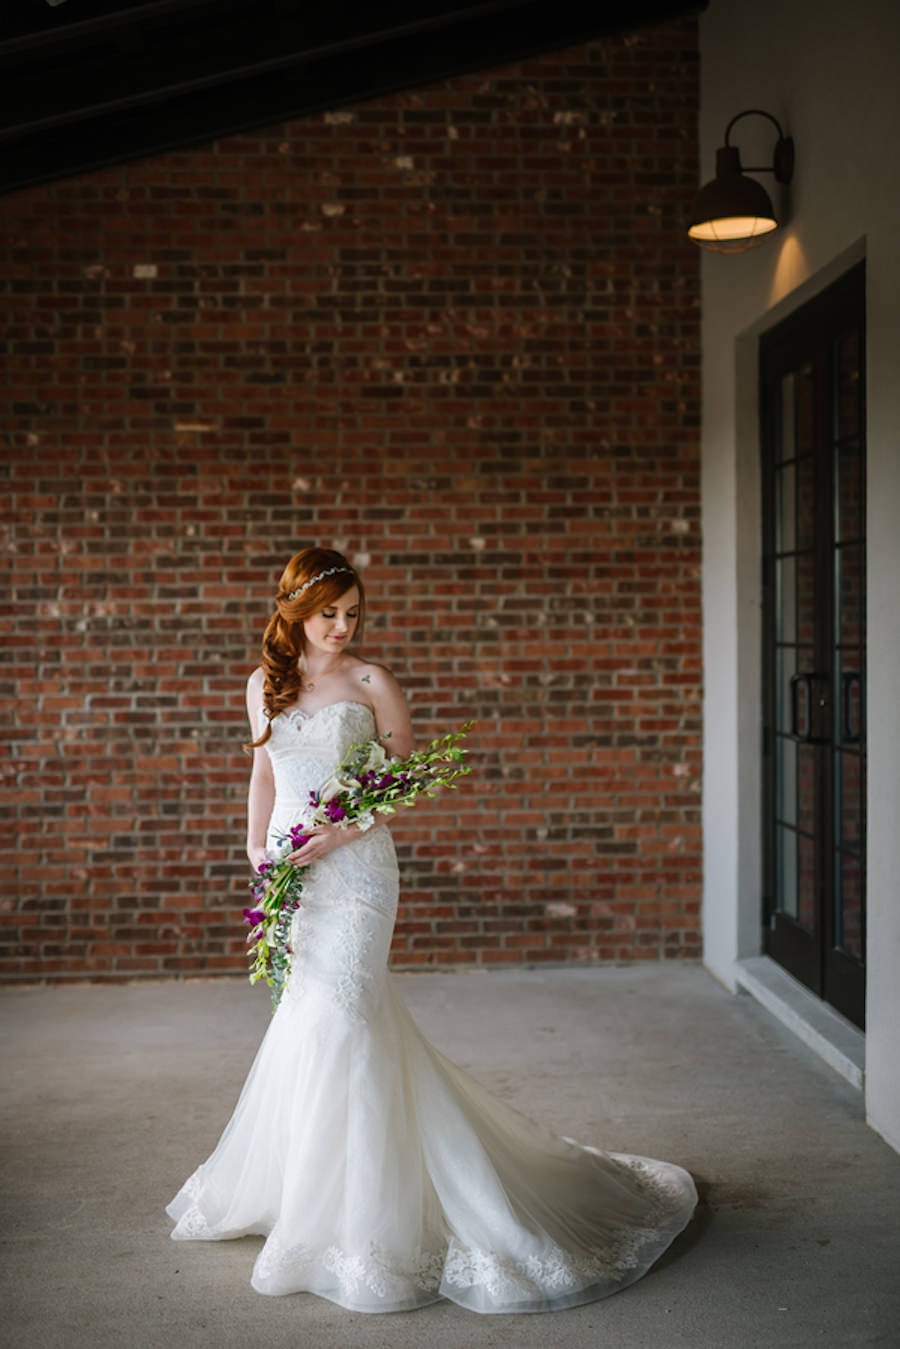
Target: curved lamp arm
(783, 160)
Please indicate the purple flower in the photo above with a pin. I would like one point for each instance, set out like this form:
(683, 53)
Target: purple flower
(335, 812)
(254, 916)
(297, 836)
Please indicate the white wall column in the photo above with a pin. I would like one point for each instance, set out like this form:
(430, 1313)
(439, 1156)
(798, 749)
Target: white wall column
(829, 76)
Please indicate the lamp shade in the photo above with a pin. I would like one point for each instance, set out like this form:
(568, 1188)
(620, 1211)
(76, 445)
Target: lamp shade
(733, 212)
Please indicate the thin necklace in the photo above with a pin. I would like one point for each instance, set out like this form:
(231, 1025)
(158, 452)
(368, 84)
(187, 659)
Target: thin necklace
(310, 684)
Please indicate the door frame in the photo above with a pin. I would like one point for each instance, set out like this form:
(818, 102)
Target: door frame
(732, 520)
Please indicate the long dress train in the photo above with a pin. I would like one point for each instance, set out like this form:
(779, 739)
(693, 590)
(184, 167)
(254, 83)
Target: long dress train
(382, 1175)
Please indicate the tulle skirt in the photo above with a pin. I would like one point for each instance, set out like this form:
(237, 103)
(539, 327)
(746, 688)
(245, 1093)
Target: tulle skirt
(383, 1177)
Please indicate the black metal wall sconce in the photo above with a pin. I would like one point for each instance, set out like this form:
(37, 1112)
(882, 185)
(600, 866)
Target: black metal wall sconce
(734, 213)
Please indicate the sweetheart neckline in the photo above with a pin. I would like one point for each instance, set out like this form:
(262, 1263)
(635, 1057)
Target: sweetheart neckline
(339, 702)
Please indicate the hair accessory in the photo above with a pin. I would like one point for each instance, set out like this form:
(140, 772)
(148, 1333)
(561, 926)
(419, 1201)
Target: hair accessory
(313, 579)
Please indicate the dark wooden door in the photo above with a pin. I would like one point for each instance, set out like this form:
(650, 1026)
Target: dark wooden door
(812, 404)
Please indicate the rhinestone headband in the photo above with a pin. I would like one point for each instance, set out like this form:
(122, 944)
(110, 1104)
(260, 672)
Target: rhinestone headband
(332, 571)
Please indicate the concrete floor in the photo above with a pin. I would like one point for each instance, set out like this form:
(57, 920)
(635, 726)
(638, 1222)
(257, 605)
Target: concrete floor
(111, 1096)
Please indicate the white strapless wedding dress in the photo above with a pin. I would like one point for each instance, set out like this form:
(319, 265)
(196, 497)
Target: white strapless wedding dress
(382, 1176)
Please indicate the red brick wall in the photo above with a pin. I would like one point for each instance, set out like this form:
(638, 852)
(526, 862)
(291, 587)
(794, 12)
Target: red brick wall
(454, 332)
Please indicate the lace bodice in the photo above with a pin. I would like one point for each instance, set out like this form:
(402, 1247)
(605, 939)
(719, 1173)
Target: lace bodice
(341, 934)
(305, 748)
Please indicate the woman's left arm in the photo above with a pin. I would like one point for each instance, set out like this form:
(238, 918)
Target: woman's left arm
(392, 721)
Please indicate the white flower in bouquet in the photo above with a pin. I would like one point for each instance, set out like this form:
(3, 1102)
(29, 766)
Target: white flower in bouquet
(376, 759)
(334, 786)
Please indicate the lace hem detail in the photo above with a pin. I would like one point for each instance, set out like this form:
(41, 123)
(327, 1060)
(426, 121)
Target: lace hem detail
(191, 1226)
(508, 1281)
(376, 1276)
(377, 1272)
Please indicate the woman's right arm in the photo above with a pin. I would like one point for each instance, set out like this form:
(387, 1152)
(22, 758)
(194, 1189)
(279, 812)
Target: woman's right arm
(261, 796)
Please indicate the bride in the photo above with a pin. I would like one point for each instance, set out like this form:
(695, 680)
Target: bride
(381, 1175)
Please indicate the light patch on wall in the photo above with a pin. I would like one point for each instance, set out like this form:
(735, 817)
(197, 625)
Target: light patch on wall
(791, 269)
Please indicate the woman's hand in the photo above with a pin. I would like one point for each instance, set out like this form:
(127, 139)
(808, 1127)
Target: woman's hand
(321, 840)
(257, 854)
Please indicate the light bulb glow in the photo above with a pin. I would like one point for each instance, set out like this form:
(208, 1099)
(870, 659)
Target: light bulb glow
(732, 227)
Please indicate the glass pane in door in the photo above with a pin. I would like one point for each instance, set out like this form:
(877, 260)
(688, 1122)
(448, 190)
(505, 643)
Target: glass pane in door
(785, 497)
(806, 597)
(806, 501)
(848, 522)
(796, 877)
(848, 587)
(804, 419)
(849, 934)
(806, 789)
(786, 871)
(846, 385)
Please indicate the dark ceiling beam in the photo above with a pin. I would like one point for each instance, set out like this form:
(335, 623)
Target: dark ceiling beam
(176, 46)
(36, 21)
(133, 81)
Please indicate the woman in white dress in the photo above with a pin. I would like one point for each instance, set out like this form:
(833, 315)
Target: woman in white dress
(382, 1176)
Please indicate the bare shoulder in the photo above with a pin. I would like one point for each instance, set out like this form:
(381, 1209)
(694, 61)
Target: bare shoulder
(374, 677)
(255, 690)
(377, 686)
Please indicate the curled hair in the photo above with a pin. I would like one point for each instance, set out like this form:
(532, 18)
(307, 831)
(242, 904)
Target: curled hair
(282, 644)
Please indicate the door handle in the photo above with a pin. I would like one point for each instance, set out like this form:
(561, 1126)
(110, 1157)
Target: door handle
(807, 679)
(848, 679)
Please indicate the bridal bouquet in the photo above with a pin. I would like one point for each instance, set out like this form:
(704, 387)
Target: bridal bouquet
(365, 783)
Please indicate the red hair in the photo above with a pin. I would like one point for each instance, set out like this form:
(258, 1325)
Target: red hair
(282, 643)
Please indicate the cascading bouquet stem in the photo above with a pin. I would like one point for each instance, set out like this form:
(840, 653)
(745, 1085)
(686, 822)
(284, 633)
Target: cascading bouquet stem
(364, 784)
